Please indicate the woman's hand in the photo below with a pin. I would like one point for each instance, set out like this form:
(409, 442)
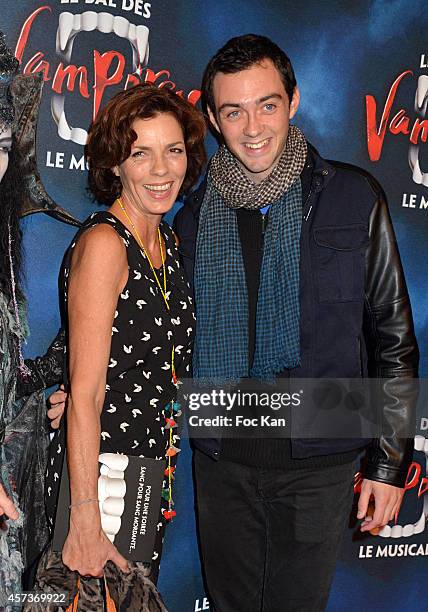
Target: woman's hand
(87, 549)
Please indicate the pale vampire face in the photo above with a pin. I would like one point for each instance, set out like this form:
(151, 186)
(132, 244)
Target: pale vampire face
(5, 146)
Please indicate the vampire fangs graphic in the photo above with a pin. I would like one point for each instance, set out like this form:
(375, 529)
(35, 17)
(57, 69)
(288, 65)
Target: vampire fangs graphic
(421, 103)
(411, 529)
(69, 26)
(111, 492)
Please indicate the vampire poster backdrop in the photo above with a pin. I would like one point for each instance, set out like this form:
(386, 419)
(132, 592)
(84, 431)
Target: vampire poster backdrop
(362, 67)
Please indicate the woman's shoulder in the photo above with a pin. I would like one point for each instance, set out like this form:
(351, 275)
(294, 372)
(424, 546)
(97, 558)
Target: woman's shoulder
(100, 227)
(97, 251)
(100, 238)
(101, 217)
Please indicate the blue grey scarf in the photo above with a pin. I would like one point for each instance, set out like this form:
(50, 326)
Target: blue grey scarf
(221, 346)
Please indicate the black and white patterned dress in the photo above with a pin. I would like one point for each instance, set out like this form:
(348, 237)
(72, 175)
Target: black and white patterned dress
(139, 376)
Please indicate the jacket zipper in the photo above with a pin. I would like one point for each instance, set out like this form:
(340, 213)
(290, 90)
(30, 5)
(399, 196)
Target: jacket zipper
(317, 184)
(264, 223)
(307, 215)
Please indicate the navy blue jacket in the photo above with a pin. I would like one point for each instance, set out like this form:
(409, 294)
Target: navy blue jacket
(355, 315)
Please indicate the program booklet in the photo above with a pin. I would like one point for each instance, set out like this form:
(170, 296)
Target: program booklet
(129, 494)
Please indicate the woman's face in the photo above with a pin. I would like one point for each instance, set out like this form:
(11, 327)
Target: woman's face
(154, 172)
(5, 145)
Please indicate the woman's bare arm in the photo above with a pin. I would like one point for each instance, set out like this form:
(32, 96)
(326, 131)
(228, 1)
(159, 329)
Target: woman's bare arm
(98, 274)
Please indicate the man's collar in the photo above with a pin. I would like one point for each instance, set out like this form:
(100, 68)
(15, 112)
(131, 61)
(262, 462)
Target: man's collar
(316, 173)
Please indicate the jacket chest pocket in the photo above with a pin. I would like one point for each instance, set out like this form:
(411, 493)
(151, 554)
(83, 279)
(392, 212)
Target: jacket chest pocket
(340, 262)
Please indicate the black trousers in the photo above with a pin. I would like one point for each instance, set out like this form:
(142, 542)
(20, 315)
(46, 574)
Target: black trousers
(269, 538)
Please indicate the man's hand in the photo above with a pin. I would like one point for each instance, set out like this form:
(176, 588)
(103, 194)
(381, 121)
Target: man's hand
(57, 401)
(387, 503)
(7, 506)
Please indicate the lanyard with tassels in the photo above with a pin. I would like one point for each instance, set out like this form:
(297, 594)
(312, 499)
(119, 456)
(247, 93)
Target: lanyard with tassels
(173, 406)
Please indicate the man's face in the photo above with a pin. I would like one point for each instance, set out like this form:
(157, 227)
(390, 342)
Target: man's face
(252, 112)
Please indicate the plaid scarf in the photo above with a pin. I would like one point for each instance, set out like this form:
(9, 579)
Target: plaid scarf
(221, 345)
(238, 191)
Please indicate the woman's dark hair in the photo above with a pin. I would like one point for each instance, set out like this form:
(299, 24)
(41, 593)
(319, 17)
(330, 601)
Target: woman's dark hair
(240, 53)
(11, 195)
(111, 136)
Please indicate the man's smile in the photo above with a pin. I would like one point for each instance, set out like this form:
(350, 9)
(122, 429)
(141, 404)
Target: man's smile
(257, 146)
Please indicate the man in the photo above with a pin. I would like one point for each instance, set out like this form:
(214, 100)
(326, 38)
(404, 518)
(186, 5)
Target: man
(296, 274)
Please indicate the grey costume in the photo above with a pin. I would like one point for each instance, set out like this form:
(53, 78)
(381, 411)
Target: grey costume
(24, 441)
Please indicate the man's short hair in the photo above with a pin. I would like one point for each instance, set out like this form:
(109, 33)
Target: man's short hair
(240, 53)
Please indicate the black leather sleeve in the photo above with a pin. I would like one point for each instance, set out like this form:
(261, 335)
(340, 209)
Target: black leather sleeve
(44, 371)
(392, 350)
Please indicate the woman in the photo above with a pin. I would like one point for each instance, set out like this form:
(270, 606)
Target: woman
(23, 428)
(129, 310)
